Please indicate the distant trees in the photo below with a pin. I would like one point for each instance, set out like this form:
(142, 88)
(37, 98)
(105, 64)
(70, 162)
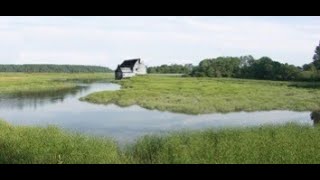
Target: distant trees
(219, 67)
(316, 57)
(246, 67)
(311, 70)
(171, 69)
(315, 64)
(50, 68)
(266, 68)
(239, 67)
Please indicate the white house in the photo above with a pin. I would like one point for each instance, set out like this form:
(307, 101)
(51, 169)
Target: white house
(130, 68)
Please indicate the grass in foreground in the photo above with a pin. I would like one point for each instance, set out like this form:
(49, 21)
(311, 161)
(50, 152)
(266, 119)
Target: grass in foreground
(33, 145)
(284, 144)
(267, 145)
(208, 95)
(11, 83)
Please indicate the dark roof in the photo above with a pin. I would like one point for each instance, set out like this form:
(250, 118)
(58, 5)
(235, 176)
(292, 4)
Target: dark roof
(129, 63)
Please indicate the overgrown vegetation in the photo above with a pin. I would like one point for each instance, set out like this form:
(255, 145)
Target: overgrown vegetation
(264, 68)
(51, 68)
(11, 83)
(247, 67)
(272, 145)
(171, 69)
(207, 95)
(264, 145)
(35, 145)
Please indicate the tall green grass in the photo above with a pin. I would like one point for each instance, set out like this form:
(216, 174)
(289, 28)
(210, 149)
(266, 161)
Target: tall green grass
(208, 95)
(292, 144)
(34, 145)
(11, 83)
(282, 144)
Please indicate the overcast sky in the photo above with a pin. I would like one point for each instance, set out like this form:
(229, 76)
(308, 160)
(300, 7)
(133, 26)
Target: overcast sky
(106, 41)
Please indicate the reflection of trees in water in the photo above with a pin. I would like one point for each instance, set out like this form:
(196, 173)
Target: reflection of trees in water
(38, 99)
(315, 117)
(82, 81)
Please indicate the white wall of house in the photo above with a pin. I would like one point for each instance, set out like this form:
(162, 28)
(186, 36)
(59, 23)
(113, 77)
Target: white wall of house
(140, 68)
(126, 72)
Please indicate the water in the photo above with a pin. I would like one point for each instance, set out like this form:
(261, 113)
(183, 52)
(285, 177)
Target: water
(64, 109)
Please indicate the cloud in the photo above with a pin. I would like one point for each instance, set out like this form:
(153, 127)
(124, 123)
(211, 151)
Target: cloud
(158, 40)
(59, 57)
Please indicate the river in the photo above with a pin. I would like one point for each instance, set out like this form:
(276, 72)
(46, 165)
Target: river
(124, 124)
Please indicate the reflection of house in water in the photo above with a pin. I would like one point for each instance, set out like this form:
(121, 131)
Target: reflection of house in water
(315, 116)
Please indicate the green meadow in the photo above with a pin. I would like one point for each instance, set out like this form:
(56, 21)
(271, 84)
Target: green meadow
(11, 83)
(34, 145)
(209, 95)
(290, 143)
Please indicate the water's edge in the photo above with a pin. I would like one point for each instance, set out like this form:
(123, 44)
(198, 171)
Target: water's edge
(65, 110)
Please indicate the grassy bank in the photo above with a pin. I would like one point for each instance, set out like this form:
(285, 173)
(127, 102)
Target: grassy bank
(208, 95)
(266, 145)
(282, 144)
(29, 145)
(11, 83)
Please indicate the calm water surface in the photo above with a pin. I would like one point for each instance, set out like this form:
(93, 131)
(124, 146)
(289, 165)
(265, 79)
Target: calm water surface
(64, 109)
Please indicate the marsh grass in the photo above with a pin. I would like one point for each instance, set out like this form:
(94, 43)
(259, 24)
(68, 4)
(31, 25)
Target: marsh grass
(286, 144)
(29, 83)
(209, 95)
(281, 144)
(35, 145)
(310, 85)
(290, 144)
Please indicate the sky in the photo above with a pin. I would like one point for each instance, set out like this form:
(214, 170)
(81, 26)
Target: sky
(108, 40)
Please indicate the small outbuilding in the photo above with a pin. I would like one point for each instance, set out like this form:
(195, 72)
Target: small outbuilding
(130, 68)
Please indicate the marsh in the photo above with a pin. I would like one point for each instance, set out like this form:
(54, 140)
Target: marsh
(124, 124)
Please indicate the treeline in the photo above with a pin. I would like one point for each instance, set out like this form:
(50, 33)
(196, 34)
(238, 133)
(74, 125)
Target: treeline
(171, 69)
(250, 68)
(50, 68)
(263, 68)
(238, 67)
(247, 67)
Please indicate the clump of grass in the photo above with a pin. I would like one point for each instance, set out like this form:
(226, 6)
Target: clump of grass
(291, 144)
(209, 95)
(34, 145)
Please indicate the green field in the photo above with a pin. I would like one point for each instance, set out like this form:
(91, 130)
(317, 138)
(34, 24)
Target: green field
(11, 83)
(270, 144)
(177, 94)
(282, 144)
(263, 145)
(209, 95)
(27, 145)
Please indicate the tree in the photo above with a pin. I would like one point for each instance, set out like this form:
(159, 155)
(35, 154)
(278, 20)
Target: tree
(316, 57)
(36, 68)
(247, 67)
(174, 68)
(308, 67)
(219, 67)
(246, 60)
